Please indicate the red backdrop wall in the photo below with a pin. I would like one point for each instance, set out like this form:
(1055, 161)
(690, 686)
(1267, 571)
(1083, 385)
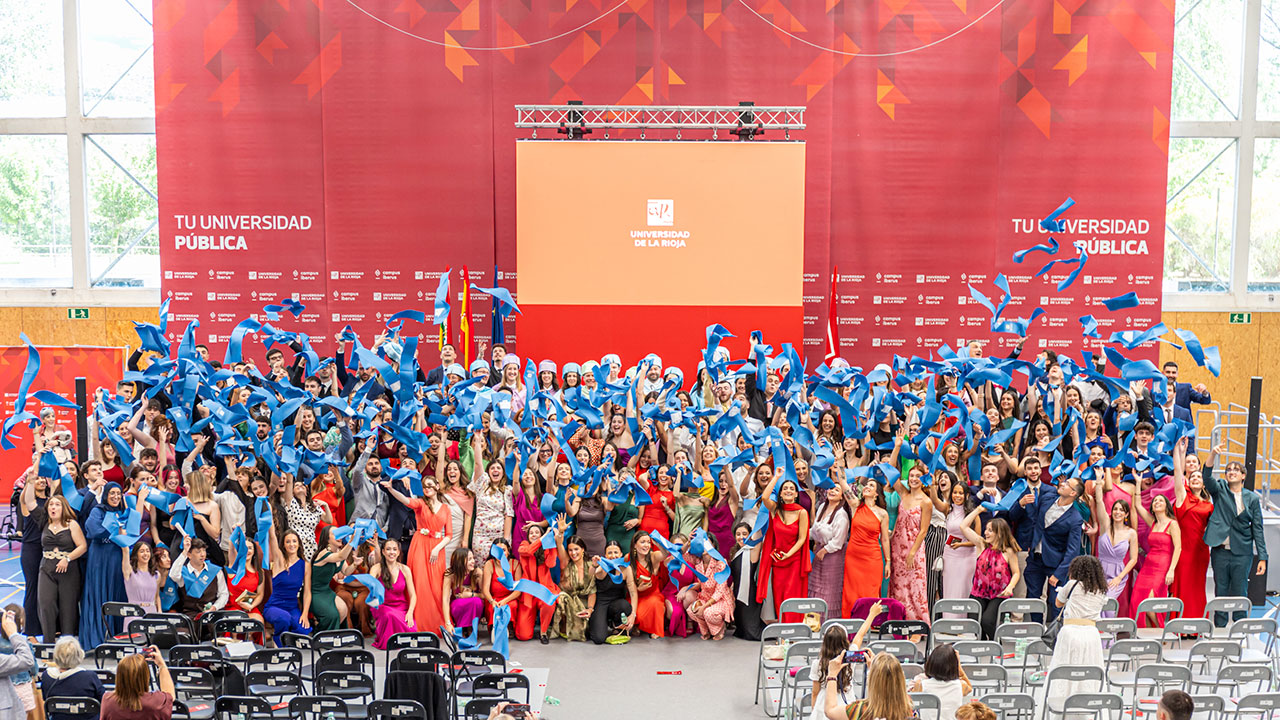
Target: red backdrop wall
(378, 137)
(59, 368)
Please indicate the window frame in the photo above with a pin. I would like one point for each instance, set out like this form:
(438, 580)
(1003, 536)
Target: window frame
(75, 128)
(1245, 132)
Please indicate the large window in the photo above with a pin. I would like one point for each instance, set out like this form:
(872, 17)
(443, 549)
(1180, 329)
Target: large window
(78, 207)
(1222, 231)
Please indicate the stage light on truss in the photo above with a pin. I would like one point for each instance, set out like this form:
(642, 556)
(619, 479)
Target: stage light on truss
(748, 126)
(575, 126)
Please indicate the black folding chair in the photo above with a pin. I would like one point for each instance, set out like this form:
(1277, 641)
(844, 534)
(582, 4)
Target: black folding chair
(106, 676)
(317, 707)
(113, 652)
(278, 687)
(502, 685)
(301, 643)
(77, 706)
(397, 710)
(469, 665)
(119, 611)
(479, 708)
(195, 687)
(410, 641)
(244, 629)
(289, 659)
(236, 707)
(432, 659)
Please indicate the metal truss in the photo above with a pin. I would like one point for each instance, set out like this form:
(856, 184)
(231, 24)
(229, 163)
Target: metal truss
(659, 117)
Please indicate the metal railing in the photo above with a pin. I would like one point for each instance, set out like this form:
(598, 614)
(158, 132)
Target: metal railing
(1230, 427)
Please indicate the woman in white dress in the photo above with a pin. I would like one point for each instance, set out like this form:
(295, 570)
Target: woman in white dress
(1082, 599)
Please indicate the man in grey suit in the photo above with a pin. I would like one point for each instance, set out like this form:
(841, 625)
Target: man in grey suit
(1234, 532)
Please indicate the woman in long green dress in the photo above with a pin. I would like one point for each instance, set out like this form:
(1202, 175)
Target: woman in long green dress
(691, 512)
(329, 610)
(577, 588)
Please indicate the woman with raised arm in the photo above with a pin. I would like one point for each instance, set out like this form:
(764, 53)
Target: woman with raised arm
(494, 513)
(290, 603)
(1117, 545)
(142, 581)
(867, 554)
(1192, 509)
(426, 552)
(1164, 549)
(907, 582)
(451, 481)
(784, 562)
(31, 509)
(996, 572)
(251, 592)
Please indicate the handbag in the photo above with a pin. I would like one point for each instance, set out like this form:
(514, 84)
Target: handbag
(1050, 636)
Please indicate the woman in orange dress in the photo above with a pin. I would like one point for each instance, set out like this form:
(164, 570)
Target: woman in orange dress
(536, 563)
(426, 553)
(1192, 511)
(651, 577)
(866, 555)
(784, 558)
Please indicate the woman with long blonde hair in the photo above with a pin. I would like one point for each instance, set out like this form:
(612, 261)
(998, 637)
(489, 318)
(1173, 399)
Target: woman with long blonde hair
(207, 515)
(886, 699)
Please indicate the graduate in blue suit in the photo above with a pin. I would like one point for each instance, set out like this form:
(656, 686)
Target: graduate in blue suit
(1056, 527)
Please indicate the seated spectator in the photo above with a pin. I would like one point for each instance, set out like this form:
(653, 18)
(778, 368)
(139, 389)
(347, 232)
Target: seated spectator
(132, 700)
(66, 678)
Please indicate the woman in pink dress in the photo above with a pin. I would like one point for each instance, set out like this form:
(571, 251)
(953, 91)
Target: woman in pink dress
(1164, 547)
(682, 585)
(395, 614)
(1117, 547)
(907, 581)
(714, 606)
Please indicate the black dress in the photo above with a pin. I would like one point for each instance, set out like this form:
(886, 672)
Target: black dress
(746, 616)
(32, 530)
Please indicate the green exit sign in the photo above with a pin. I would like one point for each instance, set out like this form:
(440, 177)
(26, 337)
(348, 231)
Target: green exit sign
(83, 314)
(1241, 318)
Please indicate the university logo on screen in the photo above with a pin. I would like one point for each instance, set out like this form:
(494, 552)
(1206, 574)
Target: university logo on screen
(660, 213)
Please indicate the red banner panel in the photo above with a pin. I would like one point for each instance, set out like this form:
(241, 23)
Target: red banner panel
(347, 153)
(59, 368)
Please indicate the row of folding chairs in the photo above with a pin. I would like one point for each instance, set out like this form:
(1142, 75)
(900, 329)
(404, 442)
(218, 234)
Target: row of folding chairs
(968, 608)
(1011, 661)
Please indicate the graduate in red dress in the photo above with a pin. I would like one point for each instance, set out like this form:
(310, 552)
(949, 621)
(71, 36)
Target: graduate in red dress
(1192, 510)
(784, 559)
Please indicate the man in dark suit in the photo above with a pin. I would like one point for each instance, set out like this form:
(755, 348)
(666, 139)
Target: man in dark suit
(1055, 537)
(1234, 532)
(1181, 395)
(1024, 529)
(448, 356)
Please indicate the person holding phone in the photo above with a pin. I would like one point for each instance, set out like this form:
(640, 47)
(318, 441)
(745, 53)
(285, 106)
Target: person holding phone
(18, 662)
(132, 699)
